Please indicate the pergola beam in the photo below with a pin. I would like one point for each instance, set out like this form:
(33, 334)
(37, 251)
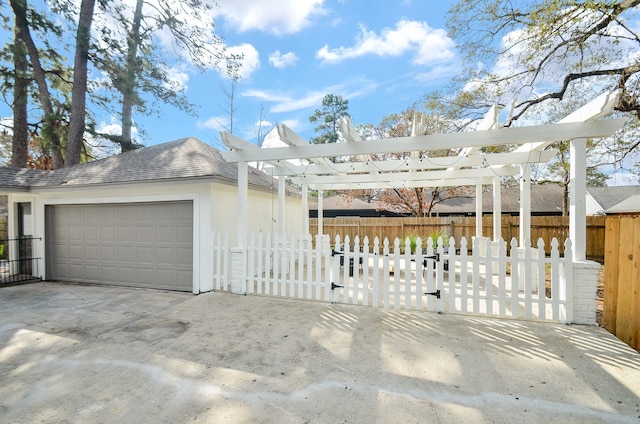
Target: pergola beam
(449, 182)
(519, 135)
(597, 108)
(406, 177)
(288, 136)
(490, 159)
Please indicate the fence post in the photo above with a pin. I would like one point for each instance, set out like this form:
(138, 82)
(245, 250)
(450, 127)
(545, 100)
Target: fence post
(238, 270)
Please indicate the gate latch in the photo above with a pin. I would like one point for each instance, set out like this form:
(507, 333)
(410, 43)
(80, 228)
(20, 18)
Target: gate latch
(435, 293)
(335, 286)
(435, 257)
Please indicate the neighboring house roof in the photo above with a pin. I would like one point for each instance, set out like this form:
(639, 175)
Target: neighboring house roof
(342, 201)
(608, 197)
(545, 199)
(343, 205)
(186, 158)
(628, 205)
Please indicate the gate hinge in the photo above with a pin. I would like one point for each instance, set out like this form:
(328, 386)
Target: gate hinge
(435, 293)
(335, 286)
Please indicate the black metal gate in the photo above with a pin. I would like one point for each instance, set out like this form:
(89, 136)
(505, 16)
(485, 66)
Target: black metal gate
(17, 261)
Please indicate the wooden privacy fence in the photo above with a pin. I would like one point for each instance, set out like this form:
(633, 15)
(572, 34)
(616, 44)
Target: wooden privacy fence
(542, 227)
(621, 310)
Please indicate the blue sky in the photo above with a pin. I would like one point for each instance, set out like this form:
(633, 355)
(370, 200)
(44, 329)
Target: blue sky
(381, 56)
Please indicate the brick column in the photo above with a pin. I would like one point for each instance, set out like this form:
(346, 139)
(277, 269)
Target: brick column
(585, 287)
(238, 271)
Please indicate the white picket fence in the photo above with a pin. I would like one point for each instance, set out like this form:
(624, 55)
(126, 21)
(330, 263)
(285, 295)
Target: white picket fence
(485, 281)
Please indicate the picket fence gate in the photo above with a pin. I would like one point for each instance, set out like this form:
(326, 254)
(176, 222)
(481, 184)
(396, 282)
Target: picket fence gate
(442, 277)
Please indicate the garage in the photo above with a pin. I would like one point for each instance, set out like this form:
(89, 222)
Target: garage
(146, 245)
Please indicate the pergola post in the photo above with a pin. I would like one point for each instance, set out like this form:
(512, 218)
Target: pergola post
(525, 205)
(238, 253)
(320, 212)
(478, 210)
(281, 199)
(305, 209)
(577, 198)
(497, 209)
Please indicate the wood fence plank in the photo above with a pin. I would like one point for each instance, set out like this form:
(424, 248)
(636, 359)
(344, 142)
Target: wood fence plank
(624, 317)
(545, 227)
(611, 273)
(634, 340)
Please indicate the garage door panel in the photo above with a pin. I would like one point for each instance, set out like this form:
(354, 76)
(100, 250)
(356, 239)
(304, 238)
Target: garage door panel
(62, 250)
(108, 215)
(166, 255)
(166, 277)
(135, 244)
(107, 234)
(126, 234)
(146, 254)
(109, 253)
(145, 234)
(184, 255)
(128, 275)
(93, 272)
(74, 215)
(92, 252)
(75, 234)
(166, 235)
(146, 276)
(184, 235)
(75, 251)
(128, 214)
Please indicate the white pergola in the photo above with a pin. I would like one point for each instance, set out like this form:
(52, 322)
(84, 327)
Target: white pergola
(470, 167)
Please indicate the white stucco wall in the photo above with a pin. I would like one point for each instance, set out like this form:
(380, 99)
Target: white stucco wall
(199, 194)
(214, 209)
(262, 212)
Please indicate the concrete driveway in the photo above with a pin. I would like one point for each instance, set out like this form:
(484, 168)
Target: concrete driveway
(78, 353)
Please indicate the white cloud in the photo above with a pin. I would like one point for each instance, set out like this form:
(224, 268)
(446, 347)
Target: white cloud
(281, 61)
(217, 123)
(250, 59)
(275, 16)
(101, 147)
(517, 48)
(178, 78)
(429, 45)
(313, 99)
(622, 179)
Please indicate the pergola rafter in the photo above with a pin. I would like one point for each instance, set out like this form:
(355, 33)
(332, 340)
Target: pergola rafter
(285, 168)
(520, 135)
(470, 167)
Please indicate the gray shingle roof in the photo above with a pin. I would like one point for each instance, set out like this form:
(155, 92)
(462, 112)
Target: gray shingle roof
(628, 205)
(545, 198)
(18, 178)
(186, 158)
(608, 197)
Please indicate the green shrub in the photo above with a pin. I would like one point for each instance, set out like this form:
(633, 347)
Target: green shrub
(435, 235)
(413, 243)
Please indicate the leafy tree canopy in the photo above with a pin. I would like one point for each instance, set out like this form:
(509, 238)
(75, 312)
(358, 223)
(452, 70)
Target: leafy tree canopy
(327, 119)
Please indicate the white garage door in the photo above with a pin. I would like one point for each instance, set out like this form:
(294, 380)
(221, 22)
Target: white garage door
(130, 244)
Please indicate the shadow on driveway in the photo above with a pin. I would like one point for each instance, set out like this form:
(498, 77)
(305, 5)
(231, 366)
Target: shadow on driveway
(80, 353)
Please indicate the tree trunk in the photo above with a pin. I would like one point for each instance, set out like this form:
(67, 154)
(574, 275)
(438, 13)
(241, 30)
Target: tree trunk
(49, 131)
(75, 136)
(129, 88)
(20, 148)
